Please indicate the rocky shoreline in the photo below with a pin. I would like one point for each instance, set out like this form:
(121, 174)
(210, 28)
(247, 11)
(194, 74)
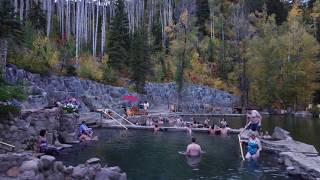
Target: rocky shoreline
(25, 166)
(302, 160)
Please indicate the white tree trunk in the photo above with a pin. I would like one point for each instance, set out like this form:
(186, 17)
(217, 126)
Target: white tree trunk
(21, 9)
(15, 6)
(49, 12)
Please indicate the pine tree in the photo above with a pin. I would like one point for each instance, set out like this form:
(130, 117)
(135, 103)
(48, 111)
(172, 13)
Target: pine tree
(10, 28)
(119, 38)
(279, 9)
(37, 17)
(203, 15)
(139, 60)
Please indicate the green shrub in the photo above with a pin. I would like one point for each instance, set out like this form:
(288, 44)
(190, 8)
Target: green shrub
(42, 58)
(90, 68)
(8, 92)
(109, 76)
(6, 110)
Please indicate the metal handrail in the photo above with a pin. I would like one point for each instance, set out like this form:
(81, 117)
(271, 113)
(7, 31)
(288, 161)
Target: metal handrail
(106, 111)
(115, 120)
(9, 147)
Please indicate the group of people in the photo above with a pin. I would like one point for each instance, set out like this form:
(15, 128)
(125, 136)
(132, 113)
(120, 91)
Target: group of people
(43, 146)
(254, 147)
(254, 120)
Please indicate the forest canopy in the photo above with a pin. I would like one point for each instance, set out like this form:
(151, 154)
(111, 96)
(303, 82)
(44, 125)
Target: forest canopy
(265, 51)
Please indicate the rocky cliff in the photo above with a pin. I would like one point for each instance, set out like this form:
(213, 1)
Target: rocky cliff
(44, 91)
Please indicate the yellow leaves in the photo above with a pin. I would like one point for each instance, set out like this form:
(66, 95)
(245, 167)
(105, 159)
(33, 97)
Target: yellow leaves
(201, 73)
(282, 65)
(184, 17)
(316, 9)
(295, 12)
(90, 68)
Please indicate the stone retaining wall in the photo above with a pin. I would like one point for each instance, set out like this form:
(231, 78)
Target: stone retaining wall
(46, 90)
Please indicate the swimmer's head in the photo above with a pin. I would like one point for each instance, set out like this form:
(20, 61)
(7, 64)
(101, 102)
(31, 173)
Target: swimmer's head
(193, 139)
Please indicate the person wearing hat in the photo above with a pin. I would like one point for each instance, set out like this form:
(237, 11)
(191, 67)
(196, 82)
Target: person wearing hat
(254, 146)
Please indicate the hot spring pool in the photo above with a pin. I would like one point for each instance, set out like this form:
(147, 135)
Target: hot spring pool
(145, 155)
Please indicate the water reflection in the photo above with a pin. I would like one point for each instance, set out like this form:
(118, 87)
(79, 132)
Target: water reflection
(306, 130)
(193, 162)
(145, 155)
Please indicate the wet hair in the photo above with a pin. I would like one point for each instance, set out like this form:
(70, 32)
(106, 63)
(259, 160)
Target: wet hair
(193, 139)
(43, 132)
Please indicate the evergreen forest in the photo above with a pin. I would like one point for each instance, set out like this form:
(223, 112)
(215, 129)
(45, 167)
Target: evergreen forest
(264, 51)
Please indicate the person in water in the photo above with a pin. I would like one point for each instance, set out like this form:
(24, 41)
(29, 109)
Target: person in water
(254, 147)
(156, 128)
(219, 130)
(206, 123)
(189, 130)
(43, 146)
(193, 149)
(266, 135)
(223, 123)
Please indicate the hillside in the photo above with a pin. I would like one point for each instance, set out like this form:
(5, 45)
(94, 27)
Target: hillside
(265, 52)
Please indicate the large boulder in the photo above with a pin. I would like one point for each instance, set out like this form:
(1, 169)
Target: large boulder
(302, 166)
(281, 134)
(31, 165)
(288, 146)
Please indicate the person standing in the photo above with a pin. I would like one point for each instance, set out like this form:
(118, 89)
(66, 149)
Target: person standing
(193, 149)
(254, 147)
(255, 119)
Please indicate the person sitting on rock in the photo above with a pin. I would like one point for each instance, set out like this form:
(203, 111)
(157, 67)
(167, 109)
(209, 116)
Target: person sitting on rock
(43, 146)
(254, 146)
(85, 132)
